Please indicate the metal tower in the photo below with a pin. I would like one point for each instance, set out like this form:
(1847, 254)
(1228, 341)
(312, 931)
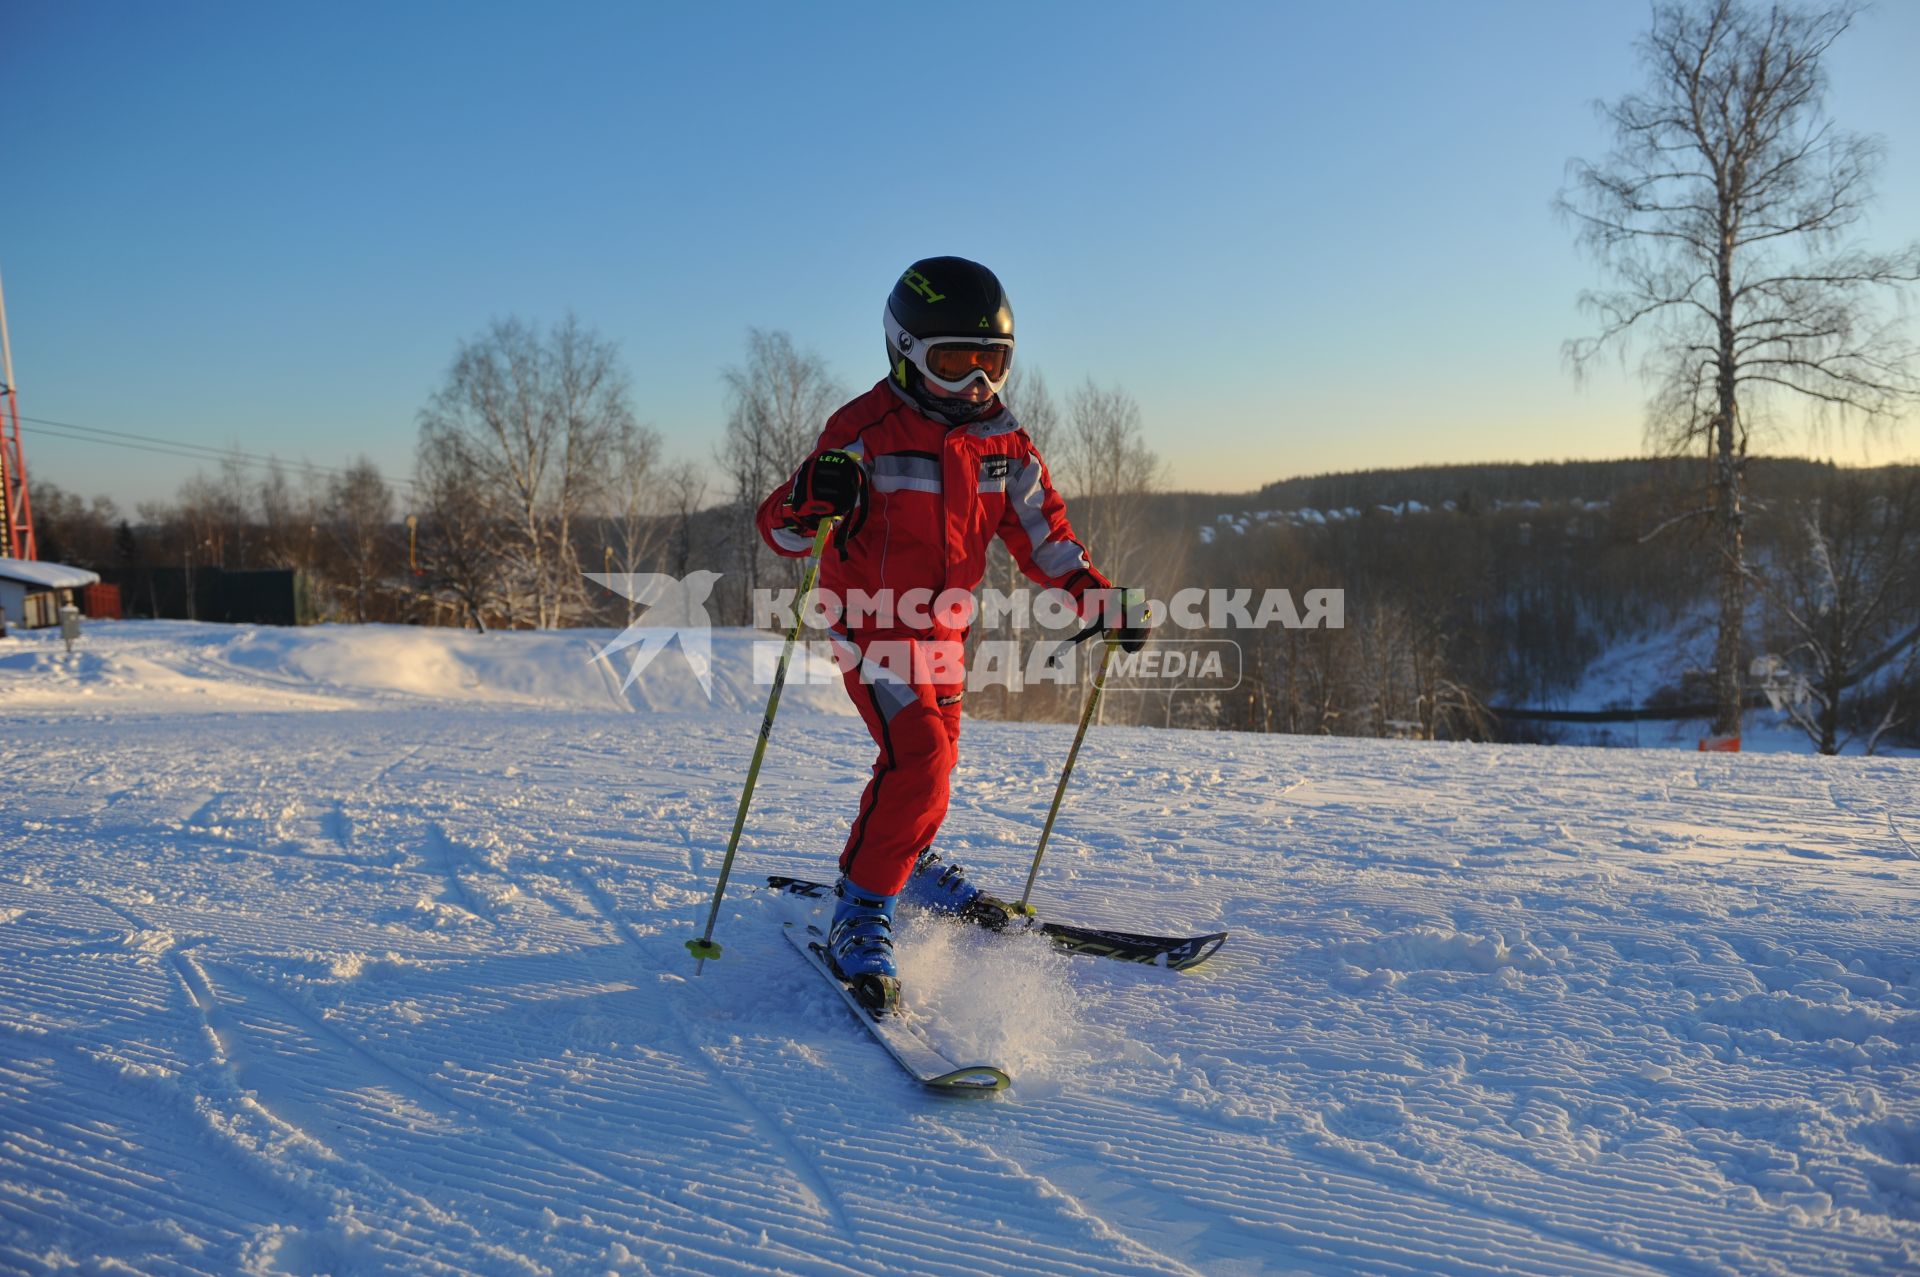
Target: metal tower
(16, 511)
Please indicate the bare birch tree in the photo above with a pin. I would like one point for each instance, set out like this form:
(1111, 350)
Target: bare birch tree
(217, 517)
(1721, 216)
(358, 516)
(685, 486)
(289, 519)
(1103, 463)
(596, 415)
(1846, 591)
(1026, 396)
(539, 414)
(777, 403)
(460, 545)
(638, 499)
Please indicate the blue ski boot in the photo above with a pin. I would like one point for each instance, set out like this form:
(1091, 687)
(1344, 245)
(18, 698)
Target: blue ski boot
(860, 945)
(940, 886)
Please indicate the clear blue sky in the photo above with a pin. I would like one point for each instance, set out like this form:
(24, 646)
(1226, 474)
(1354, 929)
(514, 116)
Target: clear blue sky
(1305, 237)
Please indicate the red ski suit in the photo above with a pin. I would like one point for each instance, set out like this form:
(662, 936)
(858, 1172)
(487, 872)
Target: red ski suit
(936, 496)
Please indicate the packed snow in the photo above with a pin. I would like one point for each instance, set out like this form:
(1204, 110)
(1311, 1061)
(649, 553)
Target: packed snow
(165, 667)
(361, 950)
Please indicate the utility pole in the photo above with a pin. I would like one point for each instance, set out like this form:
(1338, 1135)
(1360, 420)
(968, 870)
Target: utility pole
(16, 512)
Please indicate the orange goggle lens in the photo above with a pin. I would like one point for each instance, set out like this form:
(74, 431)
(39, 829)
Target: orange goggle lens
(955, 361)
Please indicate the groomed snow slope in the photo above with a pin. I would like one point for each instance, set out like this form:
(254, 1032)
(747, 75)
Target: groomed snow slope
(400, 986)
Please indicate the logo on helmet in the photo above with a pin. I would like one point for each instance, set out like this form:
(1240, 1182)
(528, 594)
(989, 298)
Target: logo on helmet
(920, 284)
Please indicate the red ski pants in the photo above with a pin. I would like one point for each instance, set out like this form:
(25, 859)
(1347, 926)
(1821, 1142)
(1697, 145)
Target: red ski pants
(908, 694)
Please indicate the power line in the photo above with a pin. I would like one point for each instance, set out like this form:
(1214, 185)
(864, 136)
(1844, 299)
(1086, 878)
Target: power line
(77, 433)
(122, 434)
(195, 450)
(251, 463)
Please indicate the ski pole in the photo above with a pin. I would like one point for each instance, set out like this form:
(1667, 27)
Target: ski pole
(704, 947)
(1060, 790)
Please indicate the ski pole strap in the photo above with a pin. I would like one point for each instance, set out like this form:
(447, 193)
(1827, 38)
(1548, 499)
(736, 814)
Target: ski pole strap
(704, 947)
(1060, 790)
(1068, 643)
(850, 525)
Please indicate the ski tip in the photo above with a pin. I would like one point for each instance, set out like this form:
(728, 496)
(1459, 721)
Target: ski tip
(975, 1079)
(1205, 948)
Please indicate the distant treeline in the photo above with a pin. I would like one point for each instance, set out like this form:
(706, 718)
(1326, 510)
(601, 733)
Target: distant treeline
(1483, 485)
(1472, 591)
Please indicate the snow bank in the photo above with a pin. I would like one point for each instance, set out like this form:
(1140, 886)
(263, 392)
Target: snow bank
(175, 666)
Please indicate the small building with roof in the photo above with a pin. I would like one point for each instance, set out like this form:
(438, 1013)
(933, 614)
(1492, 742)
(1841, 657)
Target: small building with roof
(32, 592)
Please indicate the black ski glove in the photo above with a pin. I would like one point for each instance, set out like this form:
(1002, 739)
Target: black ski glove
(1131, 630)
(831, 483)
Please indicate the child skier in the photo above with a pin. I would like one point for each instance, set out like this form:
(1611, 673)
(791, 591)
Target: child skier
(924, 469)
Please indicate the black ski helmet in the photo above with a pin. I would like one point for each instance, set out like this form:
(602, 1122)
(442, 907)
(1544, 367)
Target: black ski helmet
(938, 297)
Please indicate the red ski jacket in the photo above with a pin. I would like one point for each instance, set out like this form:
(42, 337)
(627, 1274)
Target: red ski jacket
(936, 495)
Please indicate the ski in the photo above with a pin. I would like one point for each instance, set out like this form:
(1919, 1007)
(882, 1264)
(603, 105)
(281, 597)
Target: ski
(911, 1050)
(1176, 953)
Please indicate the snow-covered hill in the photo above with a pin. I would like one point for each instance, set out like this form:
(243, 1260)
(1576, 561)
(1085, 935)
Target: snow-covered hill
(400, 986)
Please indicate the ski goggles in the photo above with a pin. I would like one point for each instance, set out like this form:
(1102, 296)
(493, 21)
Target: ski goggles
(954, 363)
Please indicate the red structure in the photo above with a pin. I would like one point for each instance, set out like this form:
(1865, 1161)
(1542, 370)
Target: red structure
(16, 511)
(102, 602)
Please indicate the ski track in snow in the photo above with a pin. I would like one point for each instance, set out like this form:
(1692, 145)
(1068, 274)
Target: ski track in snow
(401, 986)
